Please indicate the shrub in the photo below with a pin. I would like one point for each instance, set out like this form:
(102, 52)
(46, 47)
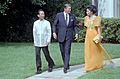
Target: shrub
(110, 30)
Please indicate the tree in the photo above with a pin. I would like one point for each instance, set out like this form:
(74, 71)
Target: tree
(38, 2)
(18, 16)
(4, 5)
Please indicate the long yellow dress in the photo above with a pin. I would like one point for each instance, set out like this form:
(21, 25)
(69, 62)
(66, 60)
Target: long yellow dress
(94, 52)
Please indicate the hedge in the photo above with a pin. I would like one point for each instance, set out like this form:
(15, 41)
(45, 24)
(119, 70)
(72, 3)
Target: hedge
(110, 30)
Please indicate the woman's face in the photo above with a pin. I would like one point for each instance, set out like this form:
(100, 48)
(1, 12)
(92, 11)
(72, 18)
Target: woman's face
(88, 12)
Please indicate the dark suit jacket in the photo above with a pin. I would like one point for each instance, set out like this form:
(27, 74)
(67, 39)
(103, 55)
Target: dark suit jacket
(64, 31)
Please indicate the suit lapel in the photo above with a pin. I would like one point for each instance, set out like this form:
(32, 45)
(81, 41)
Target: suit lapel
(69, 19)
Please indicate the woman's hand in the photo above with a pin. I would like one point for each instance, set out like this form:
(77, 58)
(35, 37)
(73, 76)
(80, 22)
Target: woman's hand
(100, 38)
(99, 34)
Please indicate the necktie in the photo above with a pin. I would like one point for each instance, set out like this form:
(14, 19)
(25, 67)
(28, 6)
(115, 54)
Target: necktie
(67, 19)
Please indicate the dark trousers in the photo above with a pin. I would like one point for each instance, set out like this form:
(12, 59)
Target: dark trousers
(65, 48)
(47, 56)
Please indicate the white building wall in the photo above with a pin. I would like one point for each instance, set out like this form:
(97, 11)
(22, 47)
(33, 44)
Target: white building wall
(117, 8)
(106, 8)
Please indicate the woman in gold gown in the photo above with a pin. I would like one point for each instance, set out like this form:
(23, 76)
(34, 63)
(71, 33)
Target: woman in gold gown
(95, 54)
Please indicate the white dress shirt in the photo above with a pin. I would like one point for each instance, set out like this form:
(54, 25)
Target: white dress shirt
(67, 17)
(41, 33)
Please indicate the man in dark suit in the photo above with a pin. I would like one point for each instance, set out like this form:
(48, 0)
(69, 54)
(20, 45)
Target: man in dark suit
(66, 24)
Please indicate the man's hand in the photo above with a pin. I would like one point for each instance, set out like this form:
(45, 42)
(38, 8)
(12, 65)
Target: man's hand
(76, 36)
(54, 35)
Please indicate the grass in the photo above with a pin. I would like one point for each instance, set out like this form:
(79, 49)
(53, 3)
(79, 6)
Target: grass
(108, 73)
(17, 60)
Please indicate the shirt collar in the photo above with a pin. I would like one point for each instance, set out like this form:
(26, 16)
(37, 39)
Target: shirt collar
(65, 13)
(41, 20)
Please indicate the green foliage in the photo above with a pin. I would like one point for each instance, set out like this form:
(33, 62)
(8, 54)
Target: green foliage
(38, 2)
(20, 15)
(4, 5)
(110, 30)
(79, 7)
(82, 30)
(17, 24)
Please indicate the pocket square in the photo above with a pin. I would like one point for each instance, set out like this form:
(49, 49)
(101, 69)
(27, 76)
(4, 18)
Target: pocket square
(71, 20)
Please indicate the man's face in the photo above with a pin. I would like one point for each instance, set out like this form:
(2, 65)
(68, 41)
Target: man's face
(67, 9)
(41, 15)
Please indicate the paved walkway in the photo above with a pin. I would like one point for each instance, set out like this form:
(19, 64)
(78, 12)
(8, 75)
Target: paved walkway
(74, 72)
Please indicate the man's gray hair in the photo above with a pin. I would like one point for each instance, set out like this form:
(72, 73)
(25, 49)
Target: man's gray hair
(67, 5)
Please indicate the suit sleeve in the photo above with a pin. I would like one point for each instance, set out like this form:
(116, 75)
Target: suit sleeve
(55, 23)
(75, 26)
(85, 21)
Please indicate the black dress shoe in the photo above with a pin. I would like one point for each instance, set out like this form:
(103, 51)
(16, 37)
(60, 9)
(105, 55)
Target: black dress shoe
(68, 68)
(39, 71)
(65, 70)
(50, 69)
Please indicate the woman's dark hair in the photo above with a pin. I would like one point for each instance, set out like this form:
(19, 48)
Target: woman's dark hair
(92, 8)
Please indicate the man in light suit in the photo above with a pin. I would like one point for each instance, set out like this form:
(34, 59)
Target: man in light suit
(42, 37)
(66, 24)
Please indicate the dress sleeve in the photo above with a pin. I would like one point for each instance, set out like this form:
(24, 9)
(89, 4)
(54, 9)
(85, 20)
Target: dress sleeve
(85, 21)
(97, 21)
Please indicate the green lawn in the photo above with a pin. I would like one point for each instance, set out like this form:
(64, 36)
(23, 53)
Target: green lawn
(107, 73)
(17, 60)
